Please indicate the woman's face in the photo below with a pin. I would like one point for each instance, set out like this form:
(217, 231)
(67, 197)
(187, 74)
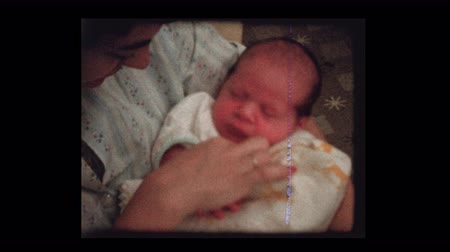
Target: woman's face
(131, 50)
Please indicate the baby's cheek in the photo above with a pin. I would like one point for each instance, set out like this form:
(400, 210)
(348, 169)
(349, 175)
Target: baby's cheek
(221, 113)
(222, 107)
(275, 134)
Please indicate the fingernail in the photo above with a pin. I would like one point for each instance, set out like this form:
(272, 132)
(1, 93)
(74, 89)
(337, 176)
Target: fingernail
(234, 207)
(200, 214)
(219, 214)
(240, 201)
(293, 168)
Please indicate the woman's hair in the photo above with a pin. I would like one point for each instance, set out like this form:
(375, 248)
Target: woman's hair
(94, 31)
(306, 108)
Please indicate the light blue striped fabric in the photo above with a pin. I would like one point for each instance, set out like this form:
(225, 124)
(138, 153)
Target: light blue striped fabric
(121, 118)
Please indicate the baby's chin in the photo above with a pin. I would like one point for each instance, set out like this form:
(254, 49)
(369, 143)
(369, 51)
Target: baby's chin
(238, 136)
(232, 134)
(234, 138)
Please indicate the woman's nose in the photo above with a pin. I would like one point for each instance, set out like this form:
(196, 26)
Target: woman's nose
(140, 60)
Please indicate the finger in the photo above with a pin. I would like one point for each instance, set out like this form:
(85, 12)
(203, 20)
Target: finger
(218, 214)
(269, 173)
(200, 214)
(257, 155)
(242, 201)
(261, 158)
(293, 169)
(252, 145)
(234, 207)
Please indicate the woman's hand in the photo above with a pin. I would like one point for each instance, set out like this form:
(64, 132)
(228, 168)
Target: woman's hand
(208, 176)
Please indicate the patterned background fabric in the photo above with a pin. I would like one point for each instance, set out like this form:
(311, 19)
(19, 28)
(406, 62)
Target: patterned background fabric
(332, 46)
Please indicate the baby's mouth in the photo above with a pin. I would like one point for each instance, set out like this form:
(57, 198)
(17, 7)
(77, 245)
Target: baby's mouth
(236, 134)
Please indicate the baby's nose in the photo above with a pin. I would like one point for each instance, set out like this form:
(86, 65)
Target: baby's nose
(247, 112)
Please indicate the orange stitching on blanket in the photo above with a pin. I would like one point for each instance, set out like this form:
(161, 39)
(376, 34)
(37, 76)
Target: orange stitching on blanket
(268, 192)
(277, 195)
(326, 147)
(338, 172)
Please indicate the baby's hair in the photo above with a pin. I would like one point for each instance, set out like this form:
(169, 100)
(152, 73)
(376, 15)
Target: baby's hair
(306, 108)
(93, 31)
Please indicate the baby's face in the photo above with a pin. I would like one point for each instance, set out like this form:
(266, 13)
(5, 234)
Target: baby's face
(254, 102)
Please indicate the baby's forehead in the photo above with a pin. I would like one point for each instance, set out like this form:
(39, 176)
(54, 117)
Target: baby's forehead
(279, 52)
(276, 48)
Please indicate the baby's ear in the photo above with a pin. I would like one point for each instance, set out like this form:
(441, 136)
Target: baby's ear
(302, 121)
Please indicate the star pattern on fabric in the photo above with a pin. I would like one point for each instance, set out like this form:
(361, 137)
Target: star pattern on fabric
(304, 40)
(336, 103)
